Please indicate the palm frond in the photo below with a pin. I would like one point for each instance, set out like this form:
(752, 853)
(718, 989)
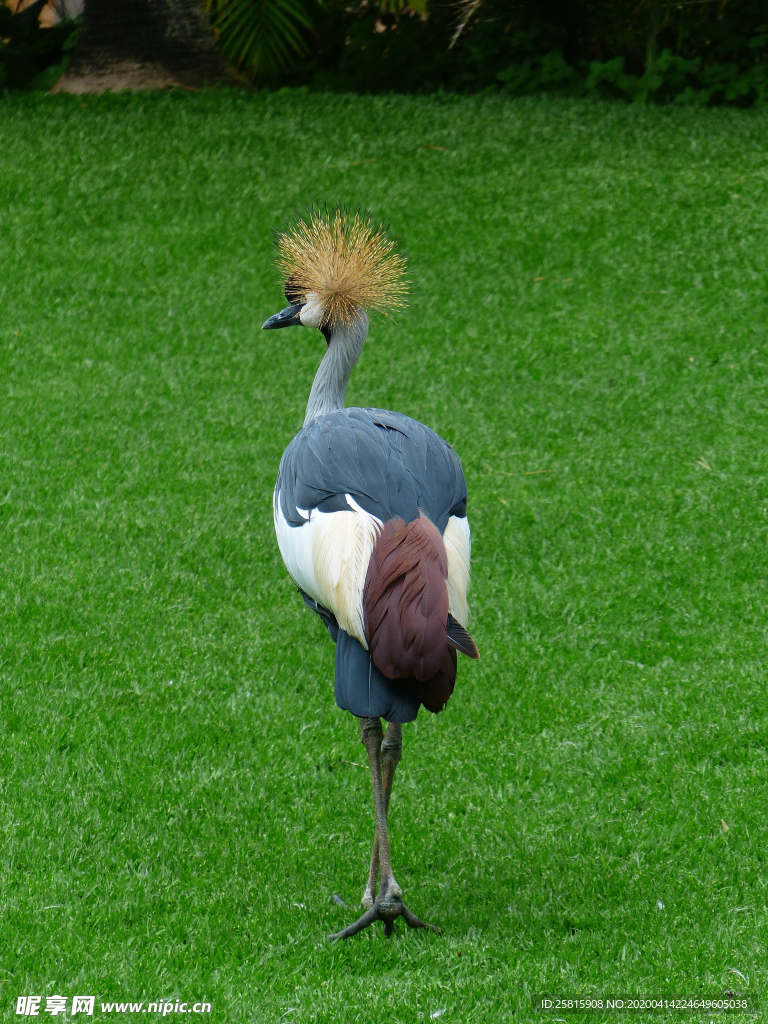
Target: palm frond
(260, 37)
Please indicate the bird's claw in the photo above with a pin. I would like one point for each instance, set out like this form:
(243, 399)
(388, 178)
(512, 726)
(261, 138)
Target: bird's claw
(387, 907)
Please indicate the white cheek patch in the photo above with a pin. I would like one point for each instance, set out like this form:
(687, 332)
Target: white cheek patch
(311, 314)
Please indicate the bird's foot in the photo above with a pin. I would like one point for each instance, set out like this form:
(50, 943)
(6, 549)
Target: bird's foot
(386, 907)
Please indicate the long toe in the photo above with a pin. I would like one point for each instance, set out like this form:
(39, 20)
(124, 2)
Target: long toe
(362, 922)
(413, 922)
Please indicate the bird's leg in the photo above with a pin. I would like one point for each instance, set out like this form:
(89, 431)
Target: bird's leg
(391, 750)
(389, 903)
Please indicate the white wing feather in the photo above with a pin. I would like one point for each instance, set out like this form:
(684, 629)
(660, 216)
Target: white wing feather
(458, 546)
(328, 557)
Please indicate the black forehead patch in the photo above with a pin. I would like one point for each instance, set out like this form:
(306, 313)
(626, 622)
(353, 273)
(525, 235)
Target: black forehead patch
(292, 293)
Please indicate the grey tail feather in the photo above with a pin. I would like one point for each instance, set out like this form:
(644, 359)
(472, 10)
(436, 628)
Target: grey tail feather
(459, 638)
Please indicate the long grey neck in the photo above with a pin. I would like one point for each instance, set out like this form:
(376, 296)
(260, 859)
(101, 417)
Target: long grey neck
(331, 379)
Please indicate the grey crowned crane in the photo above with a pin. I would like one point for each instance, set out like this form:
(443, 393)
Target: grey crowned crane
(371, 519)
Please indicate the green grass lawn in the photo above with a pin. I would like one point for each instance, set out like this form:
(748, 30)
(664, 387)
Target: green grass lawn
(180, 798)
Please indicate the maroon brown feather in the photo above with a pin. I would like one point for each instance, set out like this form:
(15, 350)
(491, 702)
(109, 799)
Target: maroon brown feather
(405, 603)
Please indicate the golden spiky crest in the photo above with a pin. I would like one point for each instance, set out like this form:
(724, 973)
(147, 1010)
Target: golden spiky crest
(346, 260)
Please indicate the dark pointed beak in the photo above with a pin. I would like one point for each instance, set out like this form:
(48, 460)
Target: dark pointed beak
(285, 318)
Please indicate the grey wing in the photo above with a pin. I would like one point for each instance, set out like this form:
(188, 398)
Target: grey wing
(391, 465)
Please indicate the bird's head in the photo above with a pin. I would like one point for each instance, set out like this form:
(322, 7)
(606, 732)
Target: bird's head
(337, 266)
(304, 311)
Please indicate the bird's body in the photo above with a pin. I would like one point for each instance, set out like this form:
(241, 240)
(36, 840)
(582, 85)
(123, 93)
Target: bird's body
(370, 515)
(342, 478)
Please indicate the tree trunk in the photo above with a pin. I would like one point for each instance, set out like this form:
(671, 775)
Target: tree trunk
(143, 44)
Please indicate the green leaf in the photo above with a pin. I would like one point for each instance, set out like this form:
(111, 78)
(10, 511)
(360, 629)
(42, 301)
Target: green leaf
(260, 37)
